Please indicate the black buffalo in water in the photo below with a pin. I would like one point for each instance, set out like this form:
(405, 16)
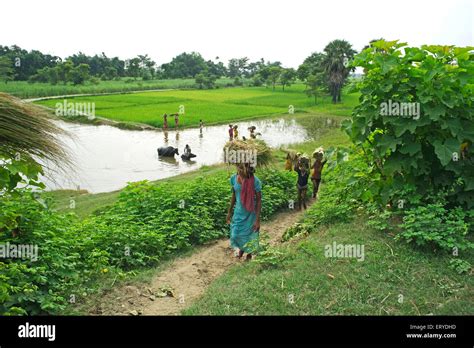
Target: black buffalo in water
(168, 151)
(187, 156)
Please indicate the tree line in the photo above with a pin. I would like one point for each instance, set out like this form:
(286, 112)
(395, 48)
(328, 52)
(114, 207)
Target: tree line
(321, 72)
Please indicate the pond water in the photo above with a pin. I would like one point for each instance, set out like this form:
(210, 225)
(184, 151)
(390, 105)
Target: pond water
(107, 158)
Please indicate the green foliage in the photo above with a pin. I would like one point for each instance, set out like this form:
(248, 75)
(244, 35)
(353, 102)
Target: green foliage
(20, 169)
(427, 150)
(267, 256)
(436, 226)
(380, 220)
(328, 71)
(80, 74)
(206, 80)
(147, 223)
(460, 266)
(6, 69)
(184, 65)
(298, 229)
(272, 74)
(336, 68)
(287, 77)
(64, 257)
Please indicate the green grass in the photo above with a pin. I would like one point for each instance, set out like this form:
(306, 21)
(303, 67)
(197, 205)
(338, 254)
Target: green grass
(84, 203)
(212, 106)
(23, 89)
(332, 286)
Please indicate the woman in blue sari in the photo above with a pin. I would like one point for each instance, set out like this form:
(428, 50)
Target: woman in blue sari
(246, 203)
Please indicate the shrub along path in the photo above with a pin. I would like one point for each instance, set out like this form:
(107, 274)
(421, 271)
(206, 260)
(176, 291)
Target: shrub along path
(187, 278)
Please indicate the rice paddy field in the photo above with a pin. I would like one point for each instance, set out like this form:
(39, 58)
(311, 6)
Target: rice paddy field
(212, 106)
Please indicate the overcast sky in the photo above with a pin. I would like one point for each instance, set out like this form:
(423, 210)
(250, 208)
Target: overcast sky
(287, 31)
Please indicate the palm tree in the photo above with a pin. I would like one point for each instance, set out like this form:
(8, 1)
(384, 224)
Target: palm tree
(338, 52)
(28, 130)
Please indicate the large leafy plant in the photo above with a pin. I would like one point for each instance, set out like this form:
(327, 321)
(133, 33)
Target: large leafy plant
(428, 151)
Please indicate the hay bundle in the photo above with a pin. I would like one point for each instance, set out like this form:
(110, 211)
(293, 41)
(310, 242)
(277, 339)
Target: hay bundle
(318, 153)
(254, 152)
(303, 161)
(292, 155)
(28, 129)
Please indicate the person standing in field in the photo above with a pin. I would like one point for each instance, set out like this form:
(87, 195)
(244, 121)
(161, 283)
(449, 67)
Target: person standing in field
(302, 169)
(231, 132)
(253, 135)
(201, 125)
(244, 211)
(176, 120)
(317, 170)
(165, 121)
(236, 132)
(252, 132)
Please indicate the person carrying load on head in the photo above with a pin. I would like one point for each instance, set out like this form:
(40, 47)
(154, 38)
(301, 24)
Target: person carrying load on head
(244, 211)
(302, 169)
(290, 160)
(288, 164)
(318, 165)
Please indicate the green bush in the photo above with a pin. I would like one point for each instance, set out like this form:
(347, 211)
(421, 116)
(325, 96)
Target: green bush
(460, 266)
(436, 226)
(426, 142)
(147, 223)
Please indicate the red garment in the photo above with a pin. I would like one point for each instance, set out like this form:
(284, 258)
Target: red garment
(247, 194)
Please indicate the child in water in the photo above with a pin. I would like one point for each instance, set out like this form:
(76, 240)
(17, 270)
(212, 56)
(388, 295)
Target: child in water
(187, 150)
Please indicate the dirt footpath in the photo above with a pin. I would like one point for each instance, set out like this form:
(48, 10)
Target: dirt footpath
(186, 279)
